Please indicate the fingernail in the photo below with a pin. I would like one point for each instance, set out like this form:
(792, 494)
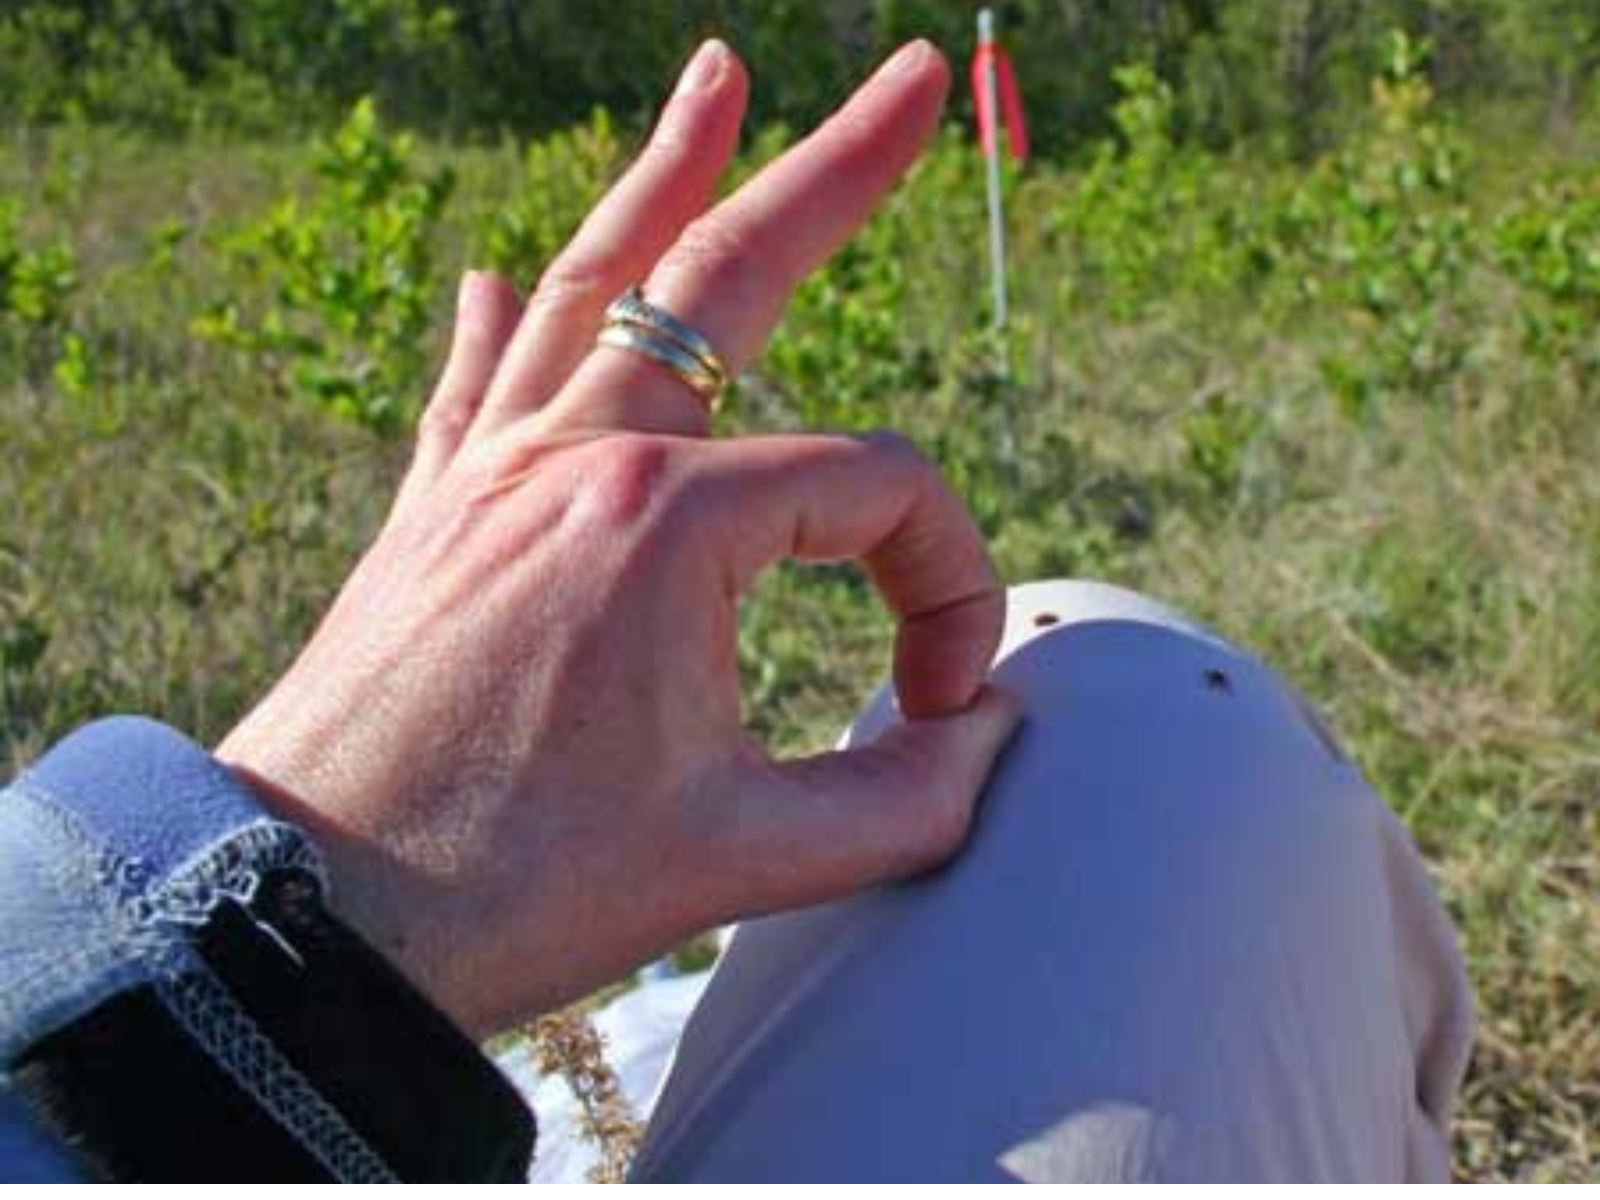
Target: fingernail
(705, 68)
(469, 282)
(908, 59)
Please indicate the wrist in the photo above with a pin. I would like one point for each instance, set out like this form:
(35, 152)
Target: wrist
(367, 886)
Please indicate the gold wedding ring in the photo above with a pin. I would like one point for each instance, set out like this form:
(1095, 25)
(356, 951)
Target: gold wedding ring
(634, 323)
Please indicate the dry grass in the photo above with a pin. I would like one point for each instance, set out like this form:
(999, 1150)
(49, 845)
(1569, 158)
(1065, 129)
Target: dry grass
(1428, 578)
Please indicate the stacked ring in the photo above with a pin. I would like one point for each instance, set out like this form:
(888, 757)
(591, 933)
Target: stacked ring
(634, 323)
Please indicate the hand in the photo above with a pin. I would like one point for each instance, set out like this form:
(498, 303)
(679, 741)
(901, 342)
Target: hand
(516, 735)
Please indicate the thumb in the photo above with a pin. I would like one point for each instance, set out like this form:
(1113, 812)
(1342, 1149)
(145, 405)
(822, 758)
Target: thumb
(816, 828)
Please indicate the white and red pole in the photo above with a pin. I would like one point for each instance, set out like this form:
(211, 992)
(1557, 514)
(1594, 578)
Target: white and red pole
(997, 101)
(987, 88)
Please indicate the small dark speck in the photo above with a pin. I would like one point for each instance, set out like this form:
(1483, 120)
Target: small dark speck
(1045, 620)
(1217, 680)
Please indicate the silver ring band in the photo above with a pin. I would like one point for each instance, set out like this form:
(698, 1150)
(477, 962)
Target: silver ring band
(631, 308)
(705, 383)
(633, 323)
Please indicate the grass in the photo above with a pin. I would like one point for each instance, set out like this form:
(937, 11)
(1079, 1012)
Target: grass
(1426, 570)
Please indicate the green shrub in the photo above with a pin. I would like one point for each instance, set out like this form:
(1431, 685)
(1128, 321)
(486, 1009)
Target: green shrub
(352, 279)
(1551, 246)
(1391, 242)
(36, 282)
(1189, 329)
(1139, 226)
(563, 175)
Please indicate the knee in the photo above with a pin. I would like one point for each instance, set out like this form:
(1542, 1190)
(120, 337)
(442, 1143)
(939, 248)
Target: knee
(1141, 717)
(1173, 902)
(1165, 778)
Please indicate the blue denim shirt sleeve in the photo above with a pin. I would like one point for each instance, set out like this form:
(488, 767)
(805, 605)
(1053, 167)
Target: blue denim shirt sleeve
(113, 847)
(133, 861)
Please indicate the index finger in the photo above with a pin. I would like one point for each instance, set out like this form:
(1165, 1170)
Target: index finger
(877, 499)
(732, 271)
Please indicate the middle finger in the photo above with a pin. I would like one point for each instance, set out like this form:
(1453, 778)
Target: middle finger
(733, 270)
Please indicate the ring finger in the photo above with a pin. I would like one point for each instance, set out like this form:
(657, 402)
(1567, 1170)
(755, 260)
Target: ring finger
(670, 184)
(733, 270)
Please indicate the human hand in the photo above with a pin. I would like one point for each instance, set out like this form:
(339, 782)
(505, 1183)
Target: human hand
(516, 734)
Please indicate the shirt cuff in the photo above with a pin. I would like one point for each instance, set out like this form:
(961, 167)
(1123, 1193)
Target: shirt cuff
(148, 897)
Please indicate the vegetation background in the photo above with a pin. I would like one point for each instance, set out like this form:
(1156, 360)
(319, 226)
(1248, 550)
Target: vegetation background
(1306, 342)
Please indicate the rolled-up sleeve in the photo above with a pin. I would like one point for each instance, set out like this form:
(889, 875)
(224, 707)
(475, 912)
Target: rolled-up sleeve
(167, 969)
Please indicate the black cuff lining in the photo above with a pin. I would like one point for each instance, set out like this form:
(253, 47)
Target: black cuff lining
(138, 1099)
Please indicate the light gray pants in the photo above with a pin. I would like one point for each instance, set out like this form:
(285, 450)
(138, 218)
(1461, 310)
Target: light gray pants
(1187, 941)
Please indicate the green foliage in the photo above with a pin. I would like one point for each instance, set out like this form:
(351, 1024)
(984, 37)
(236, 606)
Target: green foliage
(74, 373)
(1551, 246)
(36, 282)
(1379, 233)
(1143, 221)
(22, 644)
(1216, 438)
(1194, 323)
(1291, 74)
(843, 345)
(1394, 241)
(63, 63)
(353, 278)
(563, 175)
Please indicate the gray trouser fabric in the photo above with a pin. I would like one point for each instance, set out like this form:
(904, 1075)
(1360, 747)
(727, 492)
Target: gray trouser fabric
(1187, 941)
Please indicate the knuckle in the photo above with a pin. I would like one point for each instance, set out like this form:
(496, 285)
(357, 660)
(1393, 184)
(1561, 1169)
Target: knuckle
(902, 454)
(715, 251)
(445, 419)
(938, 812)
(628, 478)
(893, 444)
(578, 278)
(672, 148)
(853, 134)
(484, 469)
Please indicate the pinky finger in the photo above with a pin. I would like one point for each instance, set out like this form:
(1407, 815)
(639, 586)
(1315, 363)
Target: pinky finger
(487, 310)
